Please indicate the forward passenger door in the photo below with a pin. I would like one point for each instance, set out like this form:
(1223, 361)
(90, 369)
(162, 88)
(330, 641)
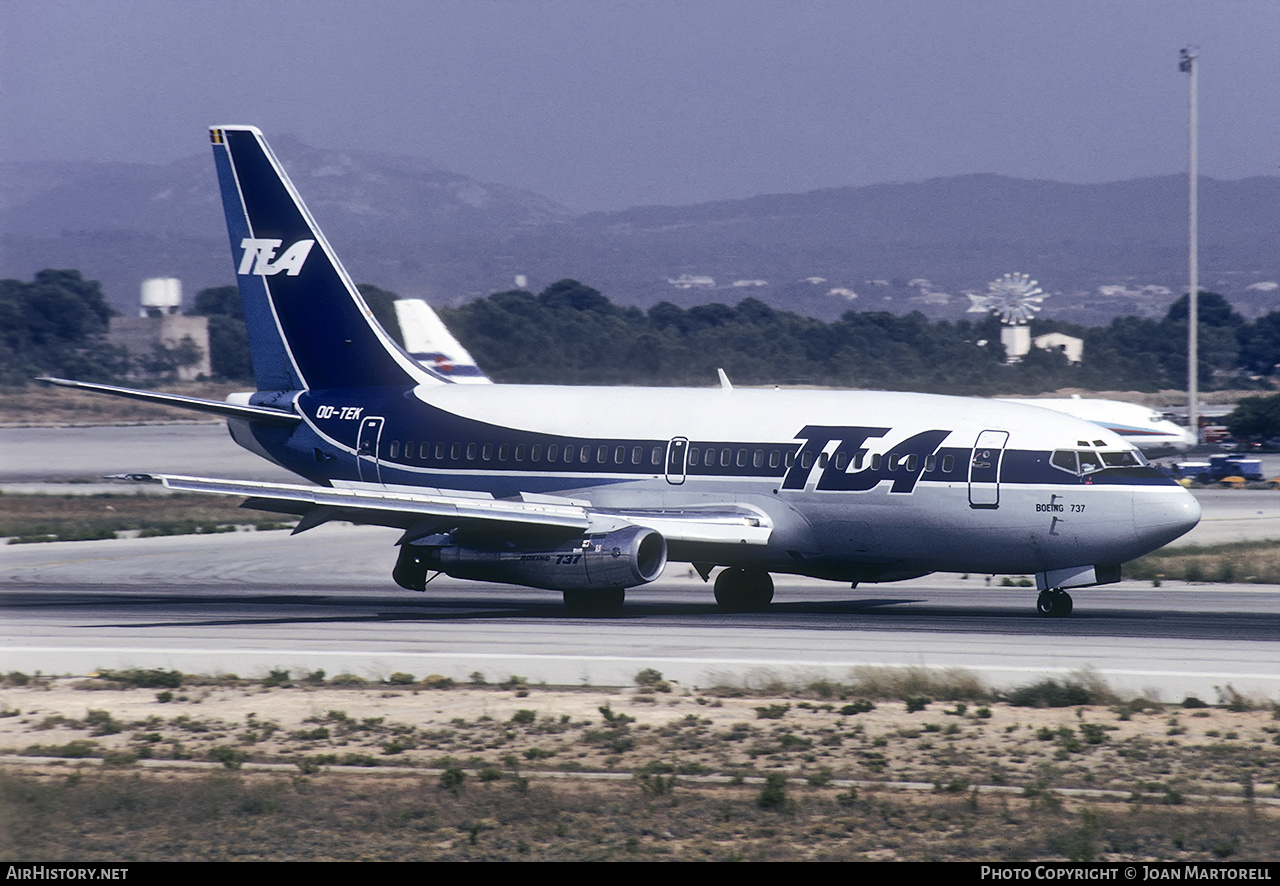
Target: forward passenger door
(984, 469)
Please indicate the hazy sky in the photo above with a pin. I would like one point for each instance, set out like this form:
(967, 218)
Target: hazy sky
(612, 103)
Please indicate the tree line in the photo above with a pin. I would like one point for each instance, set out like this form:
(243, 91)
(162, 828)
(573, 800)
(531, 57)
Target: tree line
(570, 333)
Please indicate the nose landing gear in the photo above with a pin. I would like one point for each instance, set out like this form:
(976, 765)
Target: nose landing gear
(1053, 603)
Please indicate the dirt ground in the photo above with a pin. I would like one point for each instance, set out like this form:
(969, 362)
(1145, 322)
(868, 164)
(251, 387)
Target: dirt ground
(428, 770)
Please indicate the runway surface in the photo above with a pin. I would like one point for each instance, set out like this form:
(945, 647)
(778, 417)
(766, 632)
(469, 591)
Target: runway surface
(253, 601)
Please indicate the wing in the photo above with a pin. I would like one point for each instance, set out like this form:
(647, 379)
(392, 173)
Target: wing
(424, 512)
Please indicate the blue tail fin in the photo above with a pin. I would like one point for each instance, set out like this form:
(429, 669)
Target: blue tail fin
(308, 326)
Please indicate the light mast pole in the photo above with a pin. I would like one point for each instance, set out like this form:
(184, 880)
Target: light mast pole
(1187, 64)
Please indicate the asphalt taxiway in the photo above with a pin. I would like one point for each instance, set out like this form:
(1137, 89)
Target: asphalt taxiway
(250, 602)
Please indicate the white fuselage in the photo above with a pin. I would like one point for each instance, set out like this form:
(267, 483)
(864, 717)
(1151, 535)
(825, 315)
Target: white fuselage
(975, 491)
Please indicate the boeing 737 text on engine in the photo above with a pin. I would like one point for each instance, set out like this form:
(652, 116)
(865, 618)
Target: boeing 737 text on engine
(590, 491)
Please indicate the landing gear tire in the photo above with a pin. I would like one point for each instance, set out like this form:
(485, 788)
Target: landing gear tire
(1053, 604)
(411, 568)
(744, 590)
(606, 602)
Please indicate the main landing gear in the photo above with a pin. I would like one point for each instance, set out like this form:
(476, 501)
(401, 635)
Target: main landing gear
(744, 590)
(595, 602)
(1053, 603)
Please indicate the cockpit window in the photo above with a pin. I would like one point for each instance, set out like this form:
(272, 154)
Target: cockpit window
(1086, 461)
(1089, 462)
(1065, 459)
(1120, 460)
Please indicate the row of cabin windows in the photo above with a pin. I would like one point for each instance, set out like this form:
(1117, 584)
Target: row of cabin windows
(536, 452)
(708, 457)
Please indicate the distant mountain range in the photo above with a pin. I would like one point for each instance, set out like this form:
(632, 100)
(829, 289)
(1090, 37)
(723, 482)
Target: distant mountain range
(404, 225)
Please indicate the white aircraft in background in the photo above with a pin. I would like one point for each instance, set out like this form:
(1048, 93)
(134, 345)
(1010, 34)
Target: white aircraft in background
(429, 342)
(591, 490)
(1145, 428)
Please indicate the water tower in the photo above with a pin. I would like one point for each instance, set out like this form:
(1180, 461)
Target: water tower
(161, 296)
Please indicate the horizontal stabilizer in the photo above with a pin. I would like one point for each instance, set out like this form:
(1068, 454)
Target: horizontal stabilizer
(196, 404)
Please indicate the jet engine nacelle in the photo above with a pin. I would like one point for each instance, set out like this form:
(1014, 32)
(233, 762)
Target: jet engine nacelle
(620, 559)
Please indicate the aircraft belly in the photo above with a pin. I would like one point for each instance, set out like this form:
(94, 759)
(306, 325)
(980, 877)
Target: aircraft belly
(935, 529)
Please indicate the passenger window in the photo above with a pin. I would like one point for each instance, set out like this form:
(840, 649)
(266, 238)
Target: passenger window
(726, 456)
(757, 460)
(930, 463)
(425, 452)
(487, 452)
(584, 454)
(471, 452)
(891, 461)
(822, 459)
(742, 458)
(602, 454)
(503, 451)
(875, 461)
(694, 454)
(806, 460)
(710, 458)
(791, 458)
(656, 456)
(857, 459)
(619, 455)
(948, 463)
(775, 458)
(842, 460)
(913, 462)
(519, 452)
(455, 451)
(553, 450)
(439, 452)
(637, 453)
(395, 449)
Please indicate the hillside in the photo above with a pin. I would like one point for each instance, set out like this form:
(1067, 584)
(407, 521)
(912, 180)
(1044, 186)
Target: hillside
(405, 225)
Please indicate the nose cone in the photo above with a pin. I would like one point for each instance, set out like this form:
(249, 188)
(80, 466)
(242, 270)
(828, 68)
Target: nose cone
(1163, 513)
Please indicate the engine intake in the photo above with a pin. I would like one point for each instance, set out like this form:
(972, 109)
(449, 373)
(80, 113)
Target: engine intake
(620, 559)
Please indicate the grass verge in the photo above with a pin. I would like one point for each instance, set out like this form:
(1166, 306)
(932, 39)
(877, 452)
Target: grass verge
(436, 769)
(1247, 562)
(37, 518)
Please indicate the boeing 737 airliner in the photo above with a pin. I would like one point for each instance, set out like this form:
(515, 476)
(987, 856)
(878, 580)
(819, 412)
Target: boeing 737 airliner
(590, 491)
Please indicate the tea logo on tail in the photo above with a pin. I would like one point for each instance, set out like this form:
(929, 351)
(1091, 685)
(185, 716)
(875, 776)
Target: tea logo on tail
(260, 257)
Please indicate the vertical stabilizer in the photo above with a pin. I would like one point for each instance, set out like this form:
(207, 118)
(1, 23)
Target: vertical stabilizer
(308, 325)
(430, 342)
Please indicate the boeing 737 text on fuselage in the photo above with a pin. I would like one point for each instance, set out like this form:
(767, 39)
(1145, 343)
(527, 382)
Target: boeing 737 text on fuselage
(592, 490)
